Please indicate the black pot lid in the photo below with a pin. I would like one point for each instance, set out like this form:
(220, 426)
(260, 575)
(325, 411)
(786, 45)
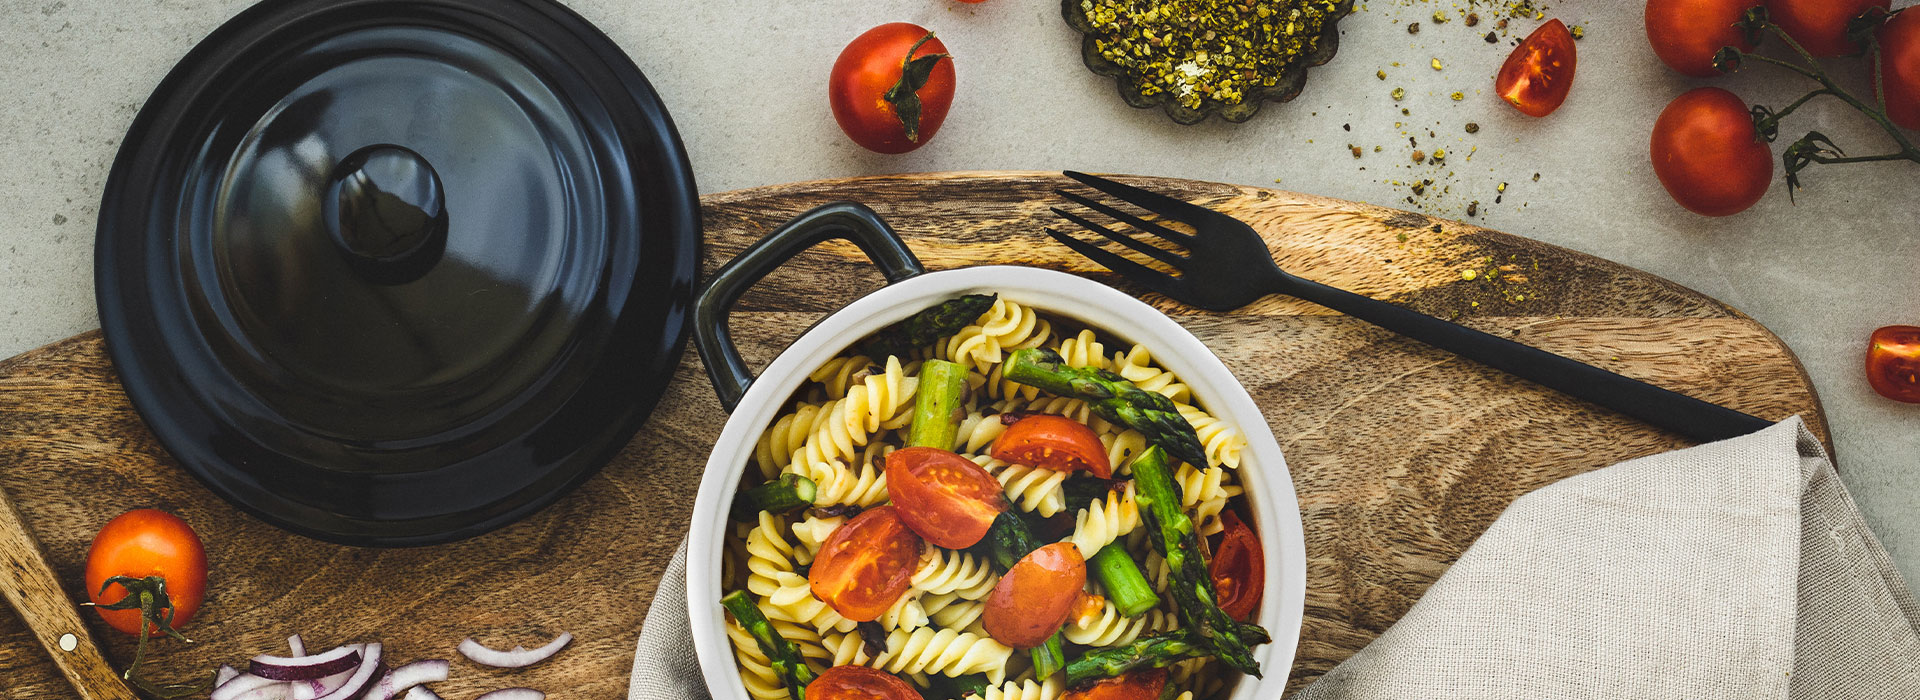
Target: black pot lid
(397, 272)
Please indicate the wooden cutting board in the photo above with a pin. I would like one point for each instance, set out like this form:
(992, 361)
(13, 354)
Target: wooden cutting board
(1401, 454)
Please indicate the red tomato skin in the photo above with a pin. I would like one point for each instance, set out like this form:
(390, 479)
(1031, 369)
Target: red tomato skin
(1708, 155)
(1033, 600)
(142, 543)
(867, 69)
(1893, 363)
(945, 498)
(874, 542)
(1053, 442)
(859, 683)
(1135, 685)
(1898, 70)
(1539, 73)
(1685, 34)
(1820, 26)
(1239, 568)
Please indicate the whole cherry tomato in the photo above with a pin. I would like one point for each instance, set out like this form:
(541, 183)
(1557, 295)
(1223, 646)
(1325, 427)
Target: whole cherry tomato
(1687, 33)
(1239, 568)
(943, 496)
(859, 683)
(1538, 73)
(1135, 685)
(1893, 363)
(1053, 442)
(1033, 600)
(1820, 26)
(866, 564)
(1708, 154)
(143, 543)
(1898, 70)
(891, 87)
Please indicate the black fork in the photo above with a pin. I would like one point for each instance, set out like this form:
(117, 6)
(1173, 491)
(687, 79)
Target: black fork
(1225, 265)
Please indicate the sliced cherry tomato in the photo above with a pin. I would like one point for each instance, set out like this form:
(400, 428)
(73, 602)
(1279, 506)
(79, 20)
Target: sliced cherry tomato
(1135, 685)
(866, 564)
(1537, 75)
(1893, 363)
(1033, 600)
(859, 683)
(1687, 33)
(878, 107)
(1708, 154)
(1053, 442)
(1820, 26)
(943, 496)
(1239, 568)
(143, 543)
(1898, 70)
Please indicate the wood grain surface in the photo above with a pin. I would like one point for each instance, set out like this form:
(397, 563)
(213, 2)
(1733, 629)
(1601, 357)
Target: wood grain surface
(1401, 454)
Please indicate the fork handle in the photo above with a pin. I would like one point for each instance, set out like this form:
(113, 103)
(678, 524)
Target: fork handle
(1698, 420)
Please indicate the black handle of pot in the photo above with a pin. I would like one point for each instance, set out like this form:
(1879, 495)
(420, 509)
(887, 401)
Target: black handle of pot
(848, 220)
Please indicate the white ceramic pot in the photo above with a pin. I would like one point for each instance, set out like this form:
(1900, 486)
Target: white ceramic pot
(1263, 471)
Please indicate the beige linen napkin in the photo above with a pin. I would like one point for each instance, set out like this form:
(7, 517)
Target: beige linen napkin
(1739, 569)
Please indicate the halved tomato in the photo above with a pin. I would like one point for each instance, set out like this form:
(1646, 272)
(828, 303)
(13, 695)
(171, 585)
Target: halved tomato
(1537, 75)
(859, 683)
(1033, 600)
(1239, 568)
(1053, 442)
(943, 496)
(866, 564)
(1135, 685)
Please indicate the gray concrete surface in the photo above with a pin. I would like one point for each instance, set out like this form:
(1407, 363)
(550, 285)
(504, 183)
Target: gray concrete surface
(746, 82)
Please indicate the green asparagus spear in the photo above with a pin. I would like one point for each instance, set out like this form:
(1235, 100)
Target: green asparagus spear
(940, 687)
(1050, 657)
(787, 493)
(1174, 535)
(1145, 652)
(922, 328)
(936, 405)
(1082, 489)
(782, 655)
(1111, 397)
(1126, 587)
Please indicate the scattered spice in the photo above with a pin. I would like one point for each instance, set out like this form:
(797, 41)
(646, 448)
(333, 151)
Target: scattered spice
(1469, 274)
(1380, 74)
(1346, 127)
(1436, 64)
(1501, 188)
(1398, 93)
(1420, 188)
(1356, 150)
(1206, 50)
(1501, 25)
(1473, 128)
(1439, 17)
(1419, 156)
(1491, 39)
(1473, 208)
(1577, 31)
(1413, 27)
(1439, 154)
(1536, 177)
(1473, 19)
(1458, 96)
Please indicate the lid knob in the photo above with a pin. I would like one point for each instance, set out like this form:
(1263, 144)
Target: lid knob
(386, 214)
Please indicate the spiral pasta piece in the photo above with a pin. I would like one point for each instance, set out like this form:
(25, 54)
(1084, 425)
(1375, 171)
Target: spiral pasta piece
(1222, 443)
(998, 386)
(1105, 520)
(1158, 572)
(1083, 350)
(944, 571)
(841, 426)
(838, 484)
(793, 601)
(776, 447)
(906, 613)
(1049, 689)
(978, 431)
(756, 672)
(841, 373)
(1031, 489)
(926, 650)
(950, 611)
(812, 532)
(1109, 628)
(1201, 677)
(1136, 365)
(1122, 446)
(769, 555)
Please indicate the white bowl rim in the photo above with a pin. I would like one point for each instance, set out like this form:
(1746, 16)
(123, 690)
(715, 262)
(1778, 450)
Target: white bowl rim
(1264, 472)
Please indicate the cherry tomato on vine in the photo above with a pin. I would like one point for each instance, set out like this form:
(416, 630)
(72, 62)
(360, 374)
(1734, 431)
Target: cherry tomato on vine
(891, 87)
(1033, 600)
(1898, 70)
(1708, 154)
(1820, 26)
(1135, 685)
(942, 496)
(1893, 363)
(143, 543)
(859, 683)
(1537, 75)
(1053, 442)
(1239, 568)
(866, 564)
(1685, 34)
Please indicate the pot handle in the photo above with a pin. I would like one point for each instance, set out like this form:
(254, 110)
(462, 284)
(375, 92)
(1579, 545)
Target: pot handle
(848, 220)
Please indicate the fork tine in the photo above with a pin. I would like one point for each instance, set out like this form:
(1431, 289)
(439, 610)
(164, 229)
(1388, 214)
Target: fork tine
(1156, 252)
(1135, 221)
(1155, 202)
(1140, 274)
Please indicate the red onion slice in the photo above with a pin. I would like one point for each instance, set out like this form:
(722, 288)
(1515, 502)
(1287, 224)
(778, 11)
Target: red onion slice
(299, 648)
(300, 668)
(517, 658)
(420, 692)
(240, 685)
(226, 673)
(514, 694)
(408, 676)
(308, 690)
(369, 663)
(272, 691)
